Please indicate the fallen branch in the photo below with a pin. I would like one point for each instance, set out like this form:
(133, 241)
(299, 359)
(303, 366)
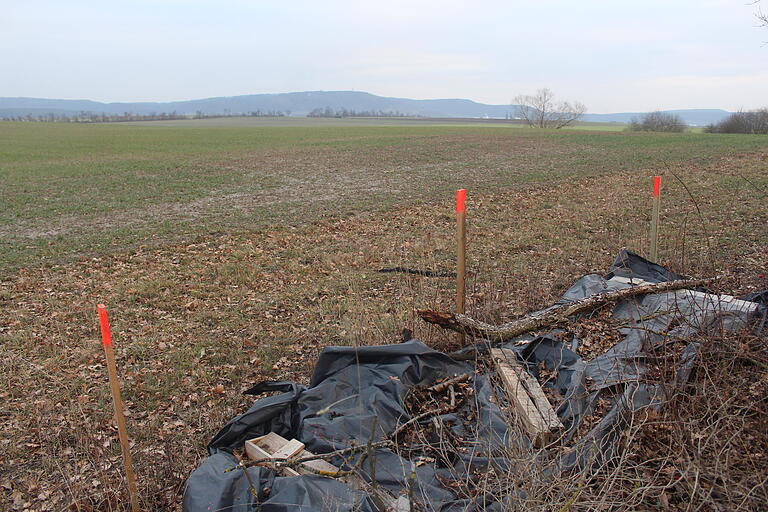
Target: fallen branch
(434, 412)
(294, 461)
(417, 272)
(441, 386)
(466, 325)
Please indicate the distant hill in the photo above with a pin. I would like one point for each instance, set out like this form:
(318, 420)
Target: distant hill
(302, 103)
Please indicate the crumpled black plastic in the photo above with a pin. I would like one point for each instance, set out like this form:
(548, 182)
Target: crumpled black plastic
(354, 389)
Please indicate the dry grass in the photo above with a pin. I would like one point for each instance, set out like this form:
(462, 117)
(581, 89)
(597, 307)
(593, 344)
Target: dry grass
(196, 323)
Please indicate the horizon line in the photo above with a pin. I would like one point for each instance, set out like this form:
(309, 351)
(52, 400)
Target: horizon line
(334, 91)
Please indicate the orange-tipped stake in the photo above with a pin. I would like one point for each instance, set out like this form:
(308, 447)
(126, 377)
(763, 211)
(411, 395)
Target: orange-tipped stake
(655, 217)
(106, 338)
(461, 241)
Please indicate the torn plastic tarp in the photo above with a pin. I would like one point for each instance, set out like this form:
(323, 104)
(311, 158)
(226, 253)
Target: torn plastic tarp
(354, 389)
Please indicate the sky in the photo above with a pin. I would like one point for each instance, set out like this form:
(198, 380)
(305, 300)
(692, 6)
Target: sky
(611, 55)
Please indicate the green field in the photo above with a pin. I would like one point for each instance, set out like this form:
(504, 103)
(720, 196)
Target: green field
(230, 253)
(70, 190)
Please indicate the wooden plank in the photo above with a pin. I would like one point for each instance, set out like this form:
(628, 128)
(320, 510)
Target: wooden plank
(289, 449)
(526, 397)
(534, 390)
(271, 442)
(276, 446)
(256, 452)
(267, 447)
(318, 465)
(518, 396)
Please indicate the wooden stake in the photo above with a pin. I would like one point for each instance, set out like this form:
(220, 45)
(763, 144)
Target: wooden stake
(461, 241)
(655, 217)
(106, 338)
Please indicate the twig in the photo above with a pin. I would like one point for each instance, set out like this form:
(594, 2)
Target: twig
(440, 386)
(369, 454)
(753, 185)
(293, 461)
(701, 217)
(433, 412)
(252, 487)
(334, 404)
(412, 486)
(754, 361)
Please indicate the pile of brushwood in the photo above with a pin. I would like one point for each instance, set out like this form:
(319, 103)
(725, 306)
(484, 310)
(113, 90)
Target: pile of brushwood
(658, 385)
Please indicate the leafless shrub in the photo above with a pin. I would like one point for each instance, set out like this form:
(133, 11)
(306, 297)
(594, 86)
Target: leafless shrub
(753, 121)
(657, 121)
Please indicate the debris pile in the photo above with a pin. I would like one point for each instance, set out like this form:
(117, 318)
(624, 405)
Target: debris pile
(427, 436)
(405, 427)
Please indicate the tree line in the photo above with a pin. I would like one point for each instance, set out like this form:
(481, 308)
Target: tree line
(343, 112)
(537, 110)
(101, 117)
(747, 122)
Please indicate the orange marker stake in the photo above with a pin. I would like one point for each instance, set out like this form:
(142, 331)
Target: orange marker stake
(461, 241)
(106, 338)
(655, 217)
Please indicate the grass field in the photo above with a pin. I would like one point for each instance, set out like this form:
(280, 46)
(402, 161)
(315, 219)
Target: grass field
(232, 253)
(72, 190)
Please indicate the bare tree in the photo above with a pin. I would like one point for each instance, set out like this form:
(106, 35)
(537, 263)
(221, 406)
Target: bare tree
(762, 16)
(542, 111)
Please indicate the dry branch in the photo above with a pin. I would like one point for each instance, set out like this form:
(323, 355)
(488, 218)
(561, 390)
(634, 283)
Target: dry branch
(466, 325)
(441, 386)
(330, 455)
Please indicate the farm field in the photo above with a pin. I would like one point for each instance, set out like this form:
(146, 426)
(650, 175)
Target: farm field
(232, 253)
(73, 189)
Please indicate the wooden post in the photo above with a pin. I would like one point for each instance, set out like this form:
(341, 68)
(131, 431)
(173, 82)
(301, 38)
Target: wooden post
(655, 218)
(461, 241)
(106, 338)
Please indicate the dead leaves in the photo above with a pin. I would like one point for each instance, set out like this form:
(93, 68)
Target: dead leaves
(596, 332)
(195, 323)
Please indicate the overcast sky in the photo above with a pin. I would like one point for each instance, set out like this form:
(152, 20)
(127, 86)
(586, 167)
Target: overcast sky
(612, 55)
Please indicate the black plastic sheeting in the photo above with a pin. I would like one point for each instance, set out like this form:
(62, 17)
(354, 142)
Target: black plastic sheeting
(354, 389)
